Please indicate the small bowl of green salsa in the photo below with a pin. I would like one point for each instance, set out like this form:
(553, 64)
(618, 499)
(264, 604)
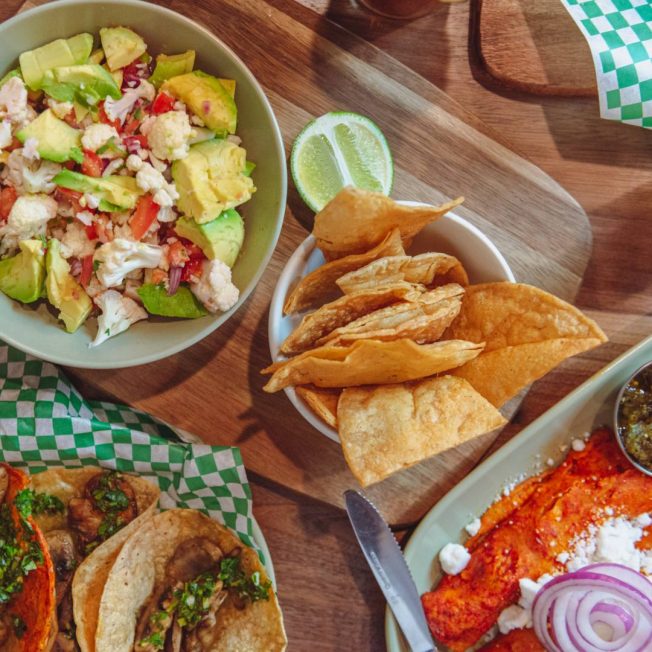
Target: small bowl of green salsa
(633, 419)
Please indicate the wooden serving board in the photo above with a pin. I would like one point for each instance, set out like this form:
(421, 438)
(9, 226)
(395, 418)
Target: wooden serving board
(308, 66)
(533, 45)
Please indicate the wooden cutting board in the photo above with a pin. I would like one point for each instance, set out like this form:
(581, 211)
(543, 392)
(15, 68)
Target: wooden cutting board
(308, 66)
(533, 45)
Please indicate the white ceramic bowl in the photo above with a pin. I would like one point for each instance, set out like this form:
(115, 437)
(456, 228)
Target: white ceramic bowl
(451, 235)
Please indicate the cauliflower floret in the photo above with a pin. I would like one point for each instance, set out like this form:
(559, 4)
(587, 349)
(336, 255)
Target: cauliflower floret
(97, 135)
(214, 288)
(6, 137)
(91, 200)
(134, 162)
(30, 177)
(169, 135)
(27, 219)
(120, 256)
(113, 167)
(151, 180)
(166, 214)
(60, 109)
(118, 314)
(13, 101)
(30, 149)
(120, 109)
(75, 242)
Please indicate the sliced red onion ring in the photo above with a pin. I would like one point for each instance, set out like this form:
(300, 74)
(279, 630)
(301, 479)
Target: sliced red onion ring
(600, 608)
(174, 278)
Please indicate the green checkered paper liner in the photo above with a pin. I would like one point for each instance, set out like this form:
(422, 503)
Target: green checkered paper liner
(620, 38)
(45, 422)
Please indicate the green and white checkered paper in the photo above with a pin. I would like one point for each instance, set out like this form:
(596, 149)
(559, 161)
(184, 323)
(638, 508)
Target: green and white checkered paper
(619, 34)
(45, 422)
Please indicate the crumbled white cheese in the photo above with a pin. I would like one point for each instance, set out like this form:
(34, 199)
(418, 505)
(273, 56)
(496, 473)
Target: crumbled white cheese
(166, 214)
(578, 445)
(214, 288)
(134, 162)
(514, 617)
(550, 461)
(169, 135)
(30, 149)
(98, 134)
(120, 256)
(27, 219)
(474, 527)
(454, 558)
(118, 314)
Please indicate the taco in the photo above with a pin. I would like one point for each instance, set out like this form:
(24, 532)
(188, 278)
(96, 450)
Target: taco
(184, 583)
(26, 571)
(99, 510)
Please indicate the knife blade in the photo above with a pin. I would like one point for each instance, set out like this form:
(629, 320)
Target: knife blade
(390, 570)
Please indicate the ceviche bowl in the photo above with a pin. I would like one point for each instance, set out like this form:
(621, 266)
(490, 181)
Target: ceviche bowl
(35, 329)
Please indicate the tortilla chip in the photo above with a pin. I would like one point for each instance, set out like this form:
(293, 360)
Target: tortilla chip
(344, 310)
(356, 220)
(369, 362)
(427, 269)
(323, 402)
(422, 320)
(140, 567)
(527, 332)
(388, 428)
(319, 286)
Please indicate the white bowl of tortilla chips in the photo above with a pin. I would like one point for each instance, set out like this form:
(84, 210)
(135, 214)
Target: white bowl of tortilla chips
(452, 235)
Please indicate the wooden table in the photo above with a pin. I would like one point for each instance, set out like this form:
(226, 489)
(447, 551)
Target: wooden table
(329, 599)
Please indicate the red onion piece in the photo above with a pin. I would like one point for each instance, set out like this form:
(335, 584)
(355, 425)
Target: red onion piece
(174, 278)
(572, 611)
(132, 144)
(75, 266)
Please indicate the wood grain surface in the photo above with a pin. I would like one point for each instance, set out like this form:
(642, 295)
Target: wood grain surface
(329, 599)
(533, 45)
(308, 67)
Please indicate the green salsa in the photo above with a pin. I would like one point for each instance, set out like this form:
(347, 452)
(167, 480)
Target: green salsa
(635, 417)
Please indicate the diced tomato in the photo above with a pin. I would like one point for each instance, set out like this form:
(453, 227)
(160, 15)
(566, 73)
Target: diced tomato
(105, 118)
(135, 142)
(91, 231)
(8, 197)
(131, 125)
(15, 144)
(71, 197)
(92, 164)
(193, 250)
(163, 103)
(158, 276)
(69, 165)
(86, 270)
(177, 254)
(192, 269)
(144, 215)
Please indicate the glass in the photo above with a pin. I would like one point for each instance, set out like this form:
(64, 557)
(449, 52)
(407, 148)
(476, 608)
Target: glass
(402, 9)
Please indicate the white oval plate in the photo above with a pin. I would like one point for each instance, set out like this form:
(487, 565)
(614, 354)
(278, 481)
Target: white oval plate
(450, 235)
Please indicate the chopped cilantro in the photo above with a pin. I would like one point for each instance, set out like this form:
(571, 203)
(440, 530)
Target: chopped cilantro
(19, 626)
(156, 640)
(96, 265)
(234, 578)
(30, 502)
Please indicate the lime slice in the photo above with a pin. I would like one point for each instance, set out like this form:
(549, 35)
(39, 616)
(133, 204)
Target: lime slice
(340, 149)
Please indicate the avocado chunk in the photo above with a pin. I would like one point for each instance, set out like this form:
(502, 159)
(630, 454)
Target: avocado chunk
(57, 140)
(64, 293)
(121, 46)
(23, 275)
(207, 98)
(87, 84)
(62, 52)
(116, 193)
(220, 238)
(182, 303)
(211, 179)
(172, 65)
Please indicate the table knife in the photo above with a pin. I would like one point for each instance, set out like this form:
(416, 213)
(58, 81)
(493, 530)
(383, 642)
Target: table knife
(390, 570)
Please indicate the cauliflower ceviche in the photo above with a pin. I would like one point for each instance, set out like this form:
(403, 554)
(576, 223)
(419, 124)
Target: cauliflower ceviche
(120, 176)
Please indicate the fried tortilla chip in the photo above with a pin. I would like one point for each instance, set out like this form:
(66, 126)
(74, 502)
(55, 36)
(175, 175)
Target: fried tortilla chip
(343, 311)
(422, 320)
(323, 402)
(388, 428)
(527, 332)
(319, 286)
(369, 362)
(356, 220)
(428, 269)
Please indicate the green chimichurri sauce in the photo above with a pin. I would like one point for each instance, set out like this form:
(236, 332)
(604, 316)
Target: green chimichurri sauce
(635, 418)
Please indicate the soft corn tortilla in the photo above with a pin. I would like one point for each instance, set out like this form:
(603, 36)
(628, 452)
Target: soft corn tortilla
(527, 332)
(323, 402)
(388, 428)
(88, 580)
(369, 362)
(422, 320)
(140, 566)
(356, 220)
(343, 311)
(428, 269)
(319, 286)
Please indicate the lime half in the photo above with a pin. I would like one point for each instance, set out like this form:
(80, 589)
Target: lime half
(340, 149)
